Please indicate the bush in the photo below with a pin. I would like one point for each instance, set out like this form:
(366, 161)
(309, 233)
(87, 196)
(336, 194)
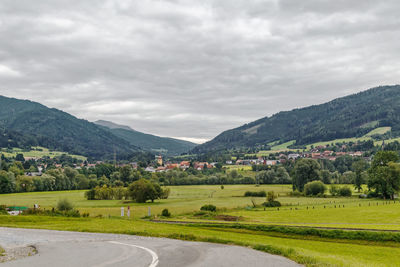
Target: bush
(165, 213)
(53, 212)
(106, 193)
(90, 194)
(118, 192)
(273, 203)
(64, 205)
(209, 208)
(296, 194)
(334, 190)
(372, 194)
(322, 233)
(71, 213)
(3, 209)
(165, 193)
(345, 191)
(255, 194)
(200, 213)
(314, 188)
(271, 196)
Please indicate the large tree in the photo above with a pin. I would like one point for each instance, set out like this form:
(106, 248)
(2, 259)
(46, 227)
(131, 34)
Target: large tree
(143, 190)
(305, 170)
(384, 174)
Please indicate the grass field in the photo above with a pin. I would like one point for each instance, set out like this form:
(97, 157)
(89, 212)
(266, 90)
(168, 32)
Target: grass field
(37, 152)
(283, 146)
(276, 148)
(184, 200)
(238, 167)
(379, 131)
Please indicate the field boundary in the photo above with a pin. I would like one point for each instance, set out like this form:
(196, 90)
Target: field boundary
(189, 223)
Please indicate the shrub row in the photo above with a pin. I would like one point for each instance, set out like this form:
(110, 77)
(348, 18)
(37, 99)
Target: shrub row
(208, 208)
(106, 193)
(323, 233)
(3, 209)
(272, 203)
(55, 212)
(340, 191)
(255, 194)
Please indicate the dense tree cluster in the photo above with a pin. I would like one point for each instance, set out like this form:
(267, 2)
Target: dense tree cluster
(384, 174)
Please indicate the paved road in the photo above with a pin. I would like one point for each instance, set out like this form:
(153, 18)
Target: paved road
(59, 248)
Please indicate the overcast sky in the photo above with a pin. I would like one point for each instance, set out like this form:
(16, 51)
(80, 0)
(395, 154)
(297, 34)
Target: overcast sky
(192, 69)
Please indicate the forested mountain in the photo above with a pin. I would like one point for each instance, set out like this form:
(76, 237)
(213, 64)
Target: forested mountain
(350, 116)
(148, 142)
(24, 123)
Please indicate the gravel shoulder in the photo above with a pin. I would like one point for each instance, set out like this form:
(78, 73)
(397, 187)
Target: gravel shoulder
(15, 253)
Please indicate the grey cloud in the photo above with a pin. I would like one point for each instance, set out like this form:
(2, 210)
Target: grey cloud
(194, 68)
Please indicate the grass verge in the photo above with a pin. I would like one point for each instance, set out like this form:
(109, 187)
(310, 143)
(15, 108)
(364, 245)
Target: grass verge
(319, 252)
(307, 231)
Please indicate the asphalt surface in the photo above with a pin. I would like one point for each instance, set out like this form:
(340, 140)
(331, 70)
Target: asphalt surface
(60, 248)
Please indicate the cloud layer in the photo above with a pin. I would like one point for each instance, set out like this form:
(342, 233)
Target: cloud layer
(194, 68)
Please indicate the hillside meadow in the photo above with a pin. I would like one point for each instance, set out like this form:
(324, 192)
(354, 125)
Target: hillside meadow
(37, 152)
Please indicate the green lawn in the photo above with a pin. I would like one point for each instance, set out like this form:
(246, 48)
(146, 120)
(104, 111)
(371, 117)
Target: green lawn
(283, 146)
(37, 152)
(379, 130)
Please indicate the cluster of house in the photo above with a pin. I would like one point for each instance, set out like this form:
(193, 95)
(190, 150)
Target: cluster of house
(183, 165)
(282, 158)
(258, 161)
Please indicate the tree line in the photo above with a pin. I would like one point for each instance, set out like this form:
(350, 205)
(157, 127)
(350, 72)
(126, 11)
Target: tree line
(382, 176)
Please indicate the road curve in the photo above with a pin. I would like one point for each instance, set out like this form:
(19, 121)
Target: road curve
(62, 249)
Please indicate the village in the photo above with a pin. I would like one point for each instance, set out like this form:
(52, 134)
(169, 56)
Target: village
(161, 165)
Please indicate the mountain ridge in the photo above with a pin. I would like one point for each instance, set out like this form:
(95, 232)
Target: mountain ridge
(25, 123)
(340, 118)
(157, 144)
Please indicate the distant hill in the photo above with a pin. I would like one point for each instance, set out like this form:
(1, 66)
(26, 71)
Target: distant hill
(148, 142)
(351, 116)
(25, 123)
(112, 125)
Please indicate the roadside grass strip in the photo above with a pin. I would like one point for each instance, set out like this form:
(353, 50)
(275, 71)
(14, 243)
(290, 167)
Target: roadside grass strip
(304, 246)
